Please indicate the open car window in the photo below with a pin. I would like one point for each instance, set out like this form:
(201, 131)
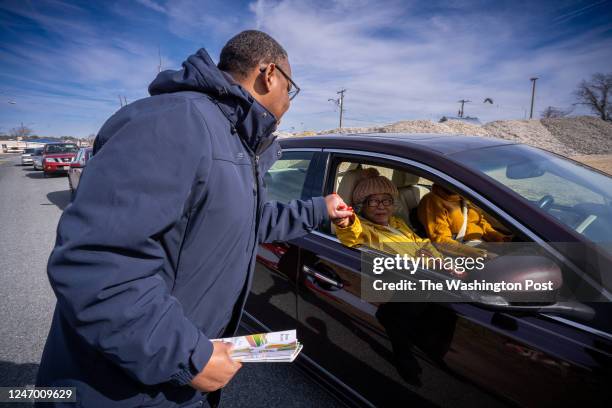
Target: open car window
(413, 190)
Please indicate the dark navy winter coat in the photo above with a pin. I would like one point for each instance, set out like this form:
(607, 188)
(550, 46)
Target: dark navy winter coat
(155, 255)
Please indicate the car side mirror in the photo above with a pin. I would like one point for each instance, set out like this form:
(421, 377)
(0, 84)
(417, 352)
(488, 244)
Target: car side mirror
(539, 271)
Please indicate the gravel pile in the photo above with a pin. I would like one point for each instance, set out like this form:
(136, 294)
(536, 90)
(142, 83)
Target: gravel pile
(585, 134)
(530, 132)
(582, 135)
(416, 126)
(346, 130)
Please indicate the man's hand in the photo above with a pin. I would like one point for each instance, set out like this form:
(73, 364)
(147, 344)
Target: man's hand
(219, 370)
(337, 208)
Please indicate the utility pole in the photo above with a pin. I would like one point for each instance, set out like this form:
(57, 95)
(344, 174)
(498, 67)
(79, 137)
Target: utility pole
(159, 67)
(340, 102)
(462, 102)
(533, 82)
(341, 92)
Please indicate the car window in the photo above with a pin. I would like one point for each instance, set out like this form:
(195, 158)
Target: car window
(61, 148)
(577, 196)
(417, 209)
(286, 178)
(410, 187)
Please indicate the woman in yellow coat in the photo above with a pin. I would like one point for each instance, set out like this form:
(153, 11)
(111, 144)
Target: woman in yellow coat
(376, 226)
(450, 220)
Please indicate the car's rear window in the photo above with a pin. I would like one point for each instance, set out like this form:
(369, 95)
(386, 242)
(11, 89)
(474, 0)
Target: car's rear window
(61, 148)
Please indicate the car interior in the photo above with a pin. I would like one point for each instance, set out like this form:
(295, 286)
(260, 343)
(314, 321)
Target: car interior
(412, 188)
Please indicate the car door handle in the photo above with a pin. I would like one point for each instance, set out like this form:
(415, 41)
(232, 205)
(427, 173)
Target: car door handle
(321, 277)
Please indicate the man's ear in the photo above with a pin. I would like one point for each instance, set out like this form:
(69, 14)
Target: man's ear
(269, 76)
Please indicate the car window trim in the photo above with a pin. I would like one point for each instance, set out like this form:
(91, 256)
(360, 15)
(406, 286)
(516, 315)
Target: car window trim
(491, 206)
(507, 217)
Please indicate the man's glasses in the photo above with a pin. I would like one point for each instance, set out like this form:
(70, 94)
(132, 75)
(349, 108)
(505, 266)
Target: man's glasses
(293, 88)
(373, 202)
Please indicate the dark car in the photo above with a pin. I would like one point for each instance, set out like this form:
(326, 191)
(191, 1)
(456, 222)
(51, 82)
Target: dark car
(486, 352)
(77, 166)
(57, 157)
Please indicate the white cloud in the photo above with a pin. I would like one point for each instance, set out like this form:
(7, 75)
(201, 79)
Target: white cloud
(152, 5)
(397, 59)
(400, 63)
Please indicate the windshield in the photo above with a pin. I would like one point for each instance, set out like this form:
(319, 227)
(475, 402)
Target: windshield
(29, 151)
(577, 196)
(61, 148)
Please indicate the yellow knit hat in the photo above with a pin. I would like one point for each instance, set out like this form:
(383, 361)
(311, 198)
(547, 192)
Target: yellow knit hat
(372, 183)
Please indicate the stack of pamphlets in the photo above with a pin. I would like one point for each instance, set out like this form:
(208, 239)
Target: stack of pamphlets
(275, 347)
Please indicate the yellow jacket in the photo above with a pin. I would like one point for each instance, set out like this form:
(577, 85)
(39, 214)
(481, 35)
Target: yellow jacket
(441, 215)
(399, 239)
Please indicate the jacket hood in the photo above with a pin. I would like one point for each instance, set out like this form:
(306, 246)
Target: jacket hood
(253, 122)
(445, 194)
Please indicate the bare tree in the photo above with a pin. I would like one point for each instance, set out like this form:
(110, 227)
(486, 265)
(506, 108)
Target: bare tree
(554, 112)
(21, 131)
(597, 94)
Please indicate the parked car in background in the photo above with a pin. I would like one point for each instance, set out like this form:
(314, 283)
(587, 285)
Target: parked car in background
(469, 353)
(37, 158)
(26, 157)
(77, 166)
(57, 157)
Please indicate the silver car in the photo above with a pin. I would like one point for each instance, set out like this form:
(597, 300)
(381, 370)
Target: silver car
(26, 157)
(37, 158)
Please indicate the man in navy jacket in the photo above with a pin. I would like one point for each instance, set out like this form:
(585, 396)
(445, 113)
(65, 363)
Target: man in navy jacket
(155, 255)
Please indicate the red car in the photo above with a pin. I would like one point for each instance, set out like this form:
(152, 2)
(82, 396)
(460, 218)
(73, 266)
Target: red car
(57, 157)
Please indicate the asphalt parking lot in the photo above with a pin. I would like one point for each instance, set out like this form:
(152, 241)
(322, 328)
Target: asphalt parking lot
(30, 207)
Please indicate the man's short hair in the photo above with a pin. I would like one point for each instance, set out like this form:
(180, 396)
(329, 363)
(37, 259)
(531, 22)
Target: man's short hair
(247, 50)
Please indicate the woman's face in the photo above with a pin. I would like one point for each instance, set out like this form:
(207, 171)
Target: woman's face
(375, 210)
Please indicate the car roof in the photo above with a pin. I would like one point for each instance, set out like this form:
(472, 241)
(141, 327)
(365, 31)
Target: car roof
(444, 144)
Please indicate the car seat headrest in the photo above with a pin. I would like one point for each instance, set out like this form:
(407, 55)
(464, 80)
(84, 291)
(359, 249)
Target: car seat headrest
(403, 179)
(348, 183)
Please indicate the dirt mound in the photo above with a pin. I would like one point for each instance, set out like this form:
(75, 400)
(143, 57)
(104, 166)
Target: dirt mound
(350, 130)
(601, 162)
(463, 128)
(530, 132)
(584, 134)
(416, 126)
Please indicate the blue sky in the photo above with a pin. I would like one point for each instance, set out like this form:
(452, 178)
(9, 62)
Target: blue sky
(64, 63)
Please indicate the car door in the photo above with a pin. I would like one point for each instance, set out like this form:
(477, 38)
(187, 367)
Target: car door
(271, 304)
(395, 354)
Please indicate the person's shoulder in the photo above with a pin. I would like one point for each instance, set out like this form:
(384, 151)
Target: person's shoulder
(169, 102)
